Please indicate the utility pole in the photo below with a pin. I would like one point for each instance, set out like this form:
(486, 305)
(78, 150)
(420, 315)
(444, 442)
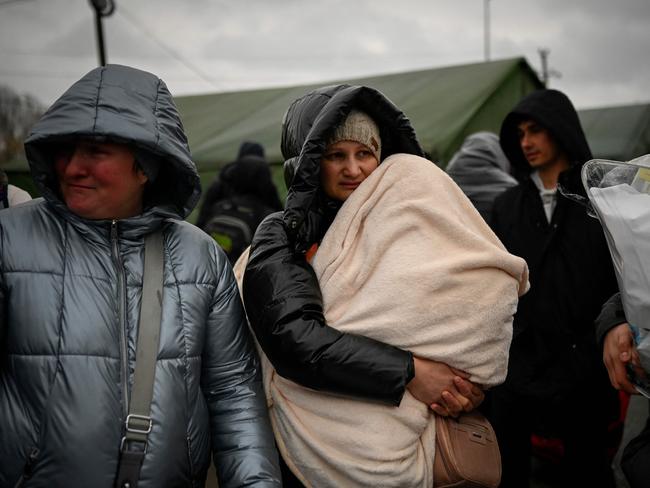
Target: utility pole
(103, 8)
(546, 73)
(486, 28)
(543, 54)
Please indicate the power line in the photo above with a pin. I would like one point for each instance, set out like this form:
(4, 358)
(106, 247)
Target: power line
(46, 74)
(393, 55)
(140, 26)
(75, 75)
(7, 2)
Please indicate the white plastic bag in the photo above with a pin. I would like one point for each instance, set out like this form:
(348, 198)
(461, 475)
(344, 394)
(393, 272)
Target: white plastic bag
(619, 194)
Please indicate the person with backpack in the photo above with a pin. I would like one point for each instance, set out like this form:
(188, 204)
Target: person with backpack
(242, 195)
(112, 376)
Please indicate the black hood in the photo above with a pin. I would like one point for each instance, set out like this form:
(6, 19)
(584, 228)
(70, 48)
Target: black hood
(308, 124)
(249, 175)
(554, 111)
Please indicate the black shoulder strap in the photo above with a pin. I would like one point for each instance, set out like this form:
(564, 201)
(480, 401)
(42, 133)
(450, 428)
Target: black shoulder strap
(138, 421)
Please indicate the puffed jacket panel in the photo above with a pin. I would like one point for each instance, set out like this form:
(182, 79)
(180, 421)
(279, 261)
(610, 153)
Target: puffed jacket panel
(62, 386)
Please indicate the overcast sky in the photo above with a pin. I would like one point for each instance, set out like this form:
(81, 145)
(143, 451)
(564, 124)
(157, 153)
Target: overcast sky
(599, 48)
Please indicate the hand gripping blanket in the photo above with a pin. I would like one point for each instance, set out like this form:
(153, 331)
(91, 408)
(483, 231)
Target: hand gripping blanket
(410, 262)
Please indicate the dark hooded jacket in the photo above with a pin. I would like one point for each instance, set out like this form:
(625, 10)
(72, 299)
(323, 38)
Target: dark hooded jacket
(281, 293)
(571, 273)
(70, 291)
(481, 170)
(248, 180)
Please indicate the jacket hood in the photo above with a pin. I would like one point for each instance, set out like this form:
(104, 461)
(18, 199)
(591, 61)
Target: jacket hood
(554, 111)
(481, 170)
(480, 151)
(250, 148)
(307, 126)
(125, 105)
(250, 175)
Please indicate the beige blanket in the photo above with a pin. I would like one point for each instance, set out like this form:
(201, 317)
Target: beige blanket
(407, 261)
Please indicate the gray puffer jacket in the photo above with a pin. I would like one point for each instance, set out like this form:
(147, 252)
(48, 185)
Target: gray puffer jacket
(70, 291)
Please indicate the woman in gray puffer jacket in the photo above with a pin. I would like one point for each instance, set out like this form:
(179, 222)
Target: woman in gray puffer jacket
(70, 291)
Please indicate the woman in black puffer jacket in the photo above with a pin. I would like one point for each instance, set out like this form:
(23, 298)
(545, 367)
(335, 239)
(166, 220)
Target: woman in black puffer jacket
(281, 292)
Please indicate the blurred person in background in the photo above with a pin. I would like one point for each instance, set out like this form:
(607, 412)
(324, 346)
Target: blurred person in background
(619, 352)
(481, 170)
(11, 195)
(238, 200)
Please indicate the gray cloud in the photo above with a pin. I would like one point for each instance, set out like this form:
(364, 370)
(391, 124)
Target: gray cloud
(207, 45)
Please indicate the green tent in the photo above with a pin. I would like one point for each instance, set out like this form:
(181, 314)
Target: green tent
(444, 104)
(619, 133)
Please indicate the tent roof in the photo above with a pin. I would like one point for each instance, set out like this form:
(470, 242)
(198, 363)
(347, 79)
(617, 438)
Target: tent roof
(619, 133)
(444, 105)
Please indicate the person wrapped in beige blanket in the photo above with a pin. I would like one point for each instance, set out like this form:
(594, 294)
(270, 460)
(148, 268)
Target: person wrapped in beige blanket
(406, 261)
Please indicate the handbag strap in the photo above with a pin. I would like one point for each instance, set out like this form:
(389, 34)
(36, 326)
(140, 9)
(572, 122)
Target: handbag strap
(138, 421)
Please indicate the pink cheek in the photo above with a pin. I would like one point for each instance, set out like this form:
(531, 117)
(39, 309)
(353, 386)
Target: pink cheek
(106, 174)
(59, 167)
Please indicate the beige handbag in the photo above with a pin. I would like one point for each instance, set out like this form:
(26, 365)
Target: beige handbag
(467, 453)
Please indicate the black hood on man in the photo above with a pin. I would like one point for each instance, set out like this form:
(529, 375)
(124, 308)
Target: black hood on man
(554, 111)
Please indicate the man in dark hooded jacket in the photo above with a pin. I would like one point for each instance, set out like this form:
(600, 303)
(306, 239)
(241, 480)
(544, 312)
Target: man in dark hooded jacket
(112, 162)
(556, 381)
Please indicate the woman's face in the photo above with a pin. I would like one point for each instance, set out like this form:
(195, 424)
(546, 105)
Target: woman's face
(99, 180)
(344, 165)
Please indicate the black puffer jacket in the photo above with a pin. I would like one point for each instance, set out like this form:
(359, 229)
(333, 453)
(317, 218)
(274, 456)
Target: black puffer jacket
(571, 274)
(281, 292)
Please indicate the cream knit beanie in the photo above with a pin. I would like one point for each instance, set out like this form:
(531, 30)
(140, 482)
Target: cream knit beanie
(359, 127)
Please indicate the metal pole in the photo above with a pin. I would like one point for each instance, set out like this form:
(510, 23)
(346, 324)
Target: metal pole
(543, 54)
(486, 28)
(100, 38)
(102, 8)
